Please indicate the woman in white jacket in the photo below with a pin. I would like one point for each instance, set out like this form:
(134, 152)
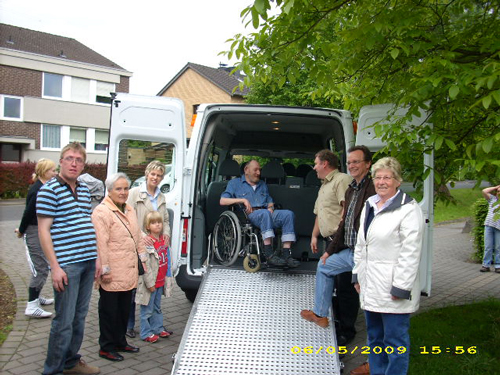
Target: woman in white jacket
(386, 264)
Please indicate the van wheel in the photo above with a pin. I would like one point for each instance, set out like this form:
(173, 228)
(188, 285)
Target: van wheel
(251, 263)
(191, 294)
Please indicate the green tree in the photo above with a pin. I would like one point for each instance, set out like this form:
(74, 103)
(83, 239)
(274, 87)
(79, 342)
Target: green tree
(297, 94)
(439, 56)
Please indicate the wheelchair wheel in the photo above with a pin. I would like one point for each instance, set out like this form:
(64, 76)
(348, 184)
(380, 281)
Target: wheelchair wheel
(251, 263)
(227, 238)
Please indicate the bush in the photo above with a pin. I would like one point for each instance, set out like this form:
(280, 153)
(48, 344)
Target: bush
(97, 170)
(16, 179)
(480, 210)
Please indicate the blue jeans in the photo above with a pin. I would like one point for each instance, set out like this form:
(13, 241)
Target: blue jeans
(386, 333)
(266, 221)
(335, 264)
(151, 315)
(71, 305)
(491, 244)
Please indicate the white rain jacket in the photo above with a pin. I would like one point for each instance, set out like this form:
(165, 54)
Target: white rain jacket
(387, 257)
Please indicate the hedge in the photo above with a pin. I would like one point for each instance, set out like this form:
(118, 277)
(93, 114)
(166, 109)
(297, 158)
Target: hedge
(480, 210)
(16, 177)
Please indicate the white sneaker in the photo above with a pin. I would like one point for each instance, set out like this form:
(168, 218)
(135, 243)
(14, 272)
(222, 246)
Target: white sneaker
(45, 301)
(34, 310)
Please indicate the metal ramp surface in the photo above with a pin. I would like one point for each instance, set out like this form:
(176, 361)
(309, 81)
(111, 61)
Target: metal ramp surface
(248, 323)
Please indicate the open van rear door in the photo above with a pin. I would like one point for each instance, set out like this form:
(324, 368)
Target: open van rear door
(368, 116)
(147, 128)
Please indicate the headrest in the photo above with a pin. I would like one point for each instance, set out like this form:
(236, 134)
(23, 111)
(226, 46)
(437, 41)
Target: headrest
(229, 167)
(303, 170)
(312, 179)
(289, 169)
(273, 169)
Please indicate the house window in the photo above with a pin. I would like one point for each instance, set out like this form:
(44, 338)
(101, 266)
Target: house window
(51, 136)
(10, 152)
(103, 92)
(101, 140)
(80, 90)
(53, 85)
(78, 135)
(11, 107)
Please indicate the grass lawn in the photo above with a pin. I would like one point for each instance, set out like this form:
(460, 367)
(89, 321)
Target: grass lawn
(473, 330)
(462, 209)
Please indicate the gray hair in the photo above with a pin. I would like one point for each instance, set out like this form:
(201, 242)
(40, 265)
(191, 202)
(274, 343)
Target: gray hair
(390, 164)
(111, 180)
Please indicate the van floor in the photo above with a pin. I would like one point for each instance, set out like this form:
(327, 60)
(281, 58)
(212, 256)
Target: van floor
(308, 266)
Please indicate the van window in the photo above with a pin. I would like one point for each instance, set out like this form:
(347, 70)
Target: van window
(135, 155)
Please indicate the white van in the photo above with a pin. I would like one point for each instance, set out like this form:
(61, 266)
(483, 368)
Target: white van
(277, 135)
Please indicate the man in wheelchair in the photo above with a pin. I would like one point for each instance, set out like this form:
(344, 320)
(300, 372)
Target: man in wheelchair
(253, 193)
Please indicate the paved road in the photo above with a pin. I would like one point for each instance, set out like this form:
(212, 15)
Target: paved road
(455, 281)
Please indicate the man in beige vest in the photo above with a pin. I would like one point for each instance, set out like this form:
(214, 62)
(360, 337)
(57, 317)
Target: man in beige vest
(330, 201)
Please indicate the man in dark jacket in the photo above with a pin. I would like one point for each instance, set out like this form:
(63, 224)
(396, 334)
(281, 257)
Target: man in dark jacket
(335, 265)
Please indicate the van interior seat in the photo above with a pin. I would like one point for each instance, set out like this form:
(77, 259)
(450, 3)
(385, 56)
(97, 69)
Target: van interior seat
(294, 182)
(273, 173)
(312, 179)
(303, 170)
(228, 168)
(290, 169)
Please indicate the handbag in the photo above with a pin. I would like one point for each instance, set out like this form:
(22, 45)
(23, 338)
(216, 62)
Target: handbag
(140, 267)
(139, 264)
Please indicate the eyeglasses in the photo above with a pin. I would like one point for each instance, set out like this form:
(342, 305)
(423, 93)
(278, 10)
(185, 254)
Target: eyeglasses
(71, 160)
(383, 178)
(355, 162)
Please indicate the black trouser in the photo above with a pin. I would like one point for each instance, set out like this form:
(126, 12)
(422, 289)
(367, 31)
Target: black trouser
(114, 308)
(345, 305)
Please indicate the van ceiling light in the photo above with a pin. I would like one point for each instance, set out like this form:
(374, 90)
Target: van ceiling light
(276, 128)
(275, 122)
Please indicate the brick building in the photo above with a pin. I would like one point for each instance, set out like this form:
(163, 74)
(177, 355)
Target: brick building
(196, 84)
(53, 90)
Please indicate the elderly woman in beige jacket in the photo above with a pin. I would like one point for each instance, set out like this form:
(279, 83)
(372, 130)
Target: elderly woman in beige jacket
(147, 198)
(118, 243)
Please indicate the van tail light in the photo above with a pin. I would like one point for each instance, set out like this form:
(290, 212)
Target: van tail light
(184, 238)
(193, 120)
(355, 127)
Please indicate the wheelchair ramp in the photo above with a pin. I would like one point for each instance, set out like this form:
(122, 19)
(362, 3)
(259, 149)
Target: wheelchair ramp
(248, 323)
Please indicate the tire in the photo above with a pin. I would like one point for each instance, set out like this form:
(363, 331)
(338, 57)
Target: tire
(251, 263)
(191, 294)
(227, 238)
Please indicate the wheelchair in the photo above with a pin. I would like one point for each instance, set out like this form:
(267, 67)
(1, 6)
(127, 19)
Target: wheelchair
(235, 236)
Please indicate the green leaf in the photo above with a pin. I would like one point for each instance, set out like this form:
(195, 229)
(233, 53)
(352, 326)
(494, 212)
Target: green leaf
(451, 145)
(491, 81)
(395, 53)
(259, 5)
(439, 142)
(453, 91)
(488, 145)
(255, 18)
(287, 6)
(496, 95)
(487, 101)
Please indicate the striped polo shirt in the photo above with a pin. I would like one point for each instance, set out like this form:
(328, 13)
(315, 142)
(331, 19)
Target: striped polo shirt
(72, 231)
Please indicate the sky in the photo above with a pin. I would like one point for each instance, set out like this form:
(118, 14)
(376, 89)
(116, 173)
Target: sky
(153, 39)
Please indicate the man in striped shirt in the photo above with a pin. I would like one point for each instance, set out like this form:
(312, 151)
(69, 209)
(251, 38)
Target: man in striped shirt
(68, 240)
